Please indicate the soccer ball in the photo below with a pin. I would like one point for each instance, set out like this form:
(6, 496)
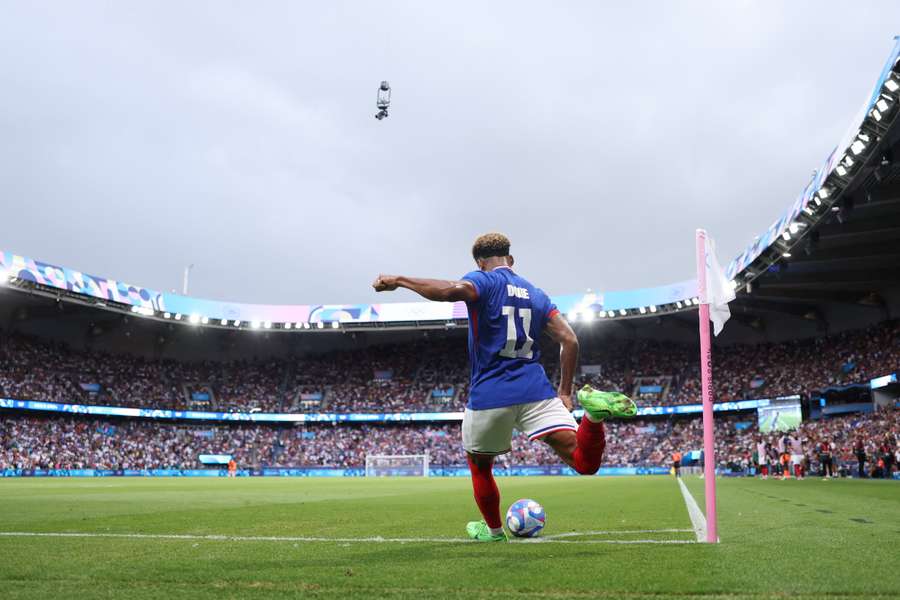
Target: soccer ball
(525, 518)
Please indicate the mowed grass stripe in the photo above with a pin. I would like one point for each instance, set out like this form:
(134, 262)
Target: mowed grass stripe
(326, 507)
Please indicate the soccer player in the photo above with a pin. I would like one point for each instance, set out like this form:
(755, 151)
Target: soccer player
(796, 449)
(509, 388)
(232, 468)
(762, 458)
(826, 458)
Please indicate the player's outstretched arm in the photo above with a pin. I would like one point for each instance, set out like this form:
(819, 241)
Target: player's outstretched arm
(561, 332)
(431, 289)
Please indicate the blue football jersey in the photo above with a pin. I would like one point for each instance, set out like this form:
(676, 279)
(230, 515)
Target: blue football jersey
(505, 324)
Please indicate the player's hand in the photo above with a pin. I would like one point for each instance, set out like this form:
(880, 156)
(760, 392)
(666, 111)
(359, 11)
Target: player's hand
(385, 283)
(567, 401)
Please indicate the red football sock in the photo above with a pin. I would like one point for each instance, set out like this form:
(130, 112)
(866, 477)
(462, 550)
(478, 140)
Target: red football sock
(487, 495)
(591, 438)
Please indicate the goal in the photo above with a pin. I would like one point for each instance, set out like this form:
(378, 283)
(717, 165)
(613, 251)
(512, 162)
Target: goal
(397, 465)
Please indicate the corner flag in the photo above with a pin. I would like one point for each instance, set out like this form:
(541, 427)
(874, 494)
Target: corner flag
(719, 291)
(715, 294)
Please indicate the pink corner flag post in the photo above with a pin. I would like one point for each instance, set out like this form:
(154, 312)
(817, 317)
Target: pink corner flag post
(709, 443)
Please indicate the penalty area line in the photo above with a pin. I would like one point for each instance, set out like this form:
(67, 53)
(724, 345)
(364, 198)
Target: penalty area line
(373, 539)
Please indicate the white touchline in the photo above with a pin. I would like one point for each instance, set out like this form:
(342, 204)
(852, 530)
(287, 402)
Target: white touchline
(697, 518)
(227, 538)
(267, 538)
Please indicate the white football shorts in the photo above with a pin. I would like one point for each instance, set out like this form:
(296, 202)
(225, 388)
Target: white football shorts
(490, 431)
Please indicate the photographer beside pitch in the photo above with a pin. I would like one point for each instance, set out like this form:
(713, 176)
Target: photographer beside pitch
(509, 388)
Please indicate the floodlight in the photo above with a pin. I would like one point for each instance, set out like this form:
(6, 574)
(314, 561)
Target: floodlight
(321, 325)
(205, 320)
(194, 319)
(891, 85)
(643, 310)
(841, 170)
(857, 147)
(267, 324)
(678, 304)
(786, 254)
(794, 227)
(824, 192)
(288, 325)
(177, 316)
(611, 314)
(653, 308)
(588, 315)
(255, 324)
(335, 324)
(572, 316)
(786, 235)
(623, 312)
(167, 315)
(237, 322)
(223, 322)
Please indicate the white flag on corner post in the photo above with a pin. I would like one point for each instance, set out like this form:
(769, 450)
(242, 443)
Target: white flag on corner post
(719, 290)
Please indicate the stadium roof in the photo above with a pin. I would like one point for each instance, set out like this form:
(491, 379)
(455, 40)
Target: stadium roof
(846, 267)
(834, 247)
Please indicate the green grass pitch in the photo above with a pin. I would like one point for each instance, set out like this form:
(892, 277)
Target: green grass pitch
(798, 539)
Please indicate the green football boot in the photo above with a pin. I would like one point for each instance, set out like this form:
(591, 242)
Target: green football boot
(478, 530)
(603, 405)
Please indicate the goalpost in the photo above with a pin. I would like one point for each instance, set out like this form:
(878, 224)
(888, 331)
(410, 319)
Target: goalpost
(397, 465)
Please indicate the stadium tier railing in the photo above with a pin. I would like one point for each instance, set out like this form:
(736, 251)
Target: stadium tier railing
(434, 471)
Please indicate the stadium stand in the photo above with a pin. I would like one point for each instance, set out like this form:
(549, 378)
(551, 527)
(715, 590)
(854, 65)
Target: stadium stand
(28, 442)
(422, 377)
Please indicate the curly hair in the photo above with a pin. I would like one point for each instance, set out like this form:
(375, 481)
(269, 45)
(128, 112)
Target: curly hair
(490, 244)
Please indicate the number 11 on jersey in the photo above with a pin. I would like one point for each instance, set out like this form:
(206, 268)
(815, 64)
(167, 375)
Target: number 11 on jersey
(512, 333)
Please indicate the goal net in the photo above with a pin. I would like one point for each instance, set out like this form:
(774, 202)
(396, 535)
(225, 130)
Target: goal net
(397, 465)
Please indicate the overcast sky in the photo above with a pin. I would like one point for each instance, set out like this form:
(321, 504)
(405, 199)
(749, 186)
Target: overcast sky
(136, 138)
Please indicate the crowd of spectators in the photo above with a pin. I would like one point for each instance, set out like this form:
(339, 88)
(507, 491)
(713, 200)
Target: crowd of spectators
(431, 375)
(74, 442)
(750, 371)
(862, 445)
